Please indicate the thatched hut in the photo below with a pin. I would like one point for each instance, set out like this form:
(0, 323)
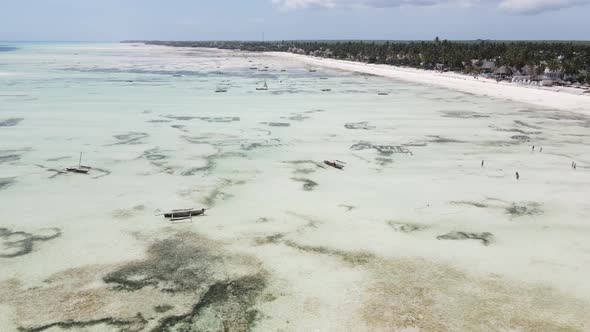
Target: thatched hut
(487, 67)
(502, 73)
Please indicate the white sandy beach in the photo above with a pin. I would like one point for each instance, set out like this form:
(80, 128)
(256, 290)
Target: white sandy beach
(555, 97)
(413, 235)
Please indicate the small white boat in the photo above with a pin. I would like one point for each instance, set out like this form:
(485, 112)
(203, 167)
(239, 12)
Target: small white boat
(263, 88)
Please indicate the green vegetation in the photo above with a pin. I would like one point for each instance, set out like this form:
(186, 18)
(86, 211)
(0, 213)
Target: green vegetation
(559, 61)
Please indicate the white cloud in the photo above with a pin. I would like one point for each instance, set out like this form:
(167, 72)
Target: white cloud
(298, 4)
(538, 6)
(510, 6)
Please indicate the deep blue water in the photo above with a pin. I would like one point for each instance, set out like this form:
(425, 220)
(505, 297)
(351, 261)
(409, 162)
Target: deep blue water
(4, 48)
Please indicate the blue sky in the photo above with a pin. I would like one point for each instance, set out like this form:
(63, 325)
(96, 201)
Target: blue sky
(114, 20)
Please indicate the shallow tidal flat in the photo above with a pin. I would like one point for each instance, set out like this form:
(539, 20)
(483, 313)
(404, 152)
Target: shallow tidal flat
(413, 234)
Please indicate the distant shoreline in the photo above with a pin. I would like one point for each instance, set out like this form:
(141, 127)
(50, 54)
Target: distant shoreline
(552, 97)
(557, 97)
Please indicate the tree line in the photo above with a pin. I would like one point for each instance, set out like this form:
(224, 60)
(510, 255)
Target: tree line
(570, 58)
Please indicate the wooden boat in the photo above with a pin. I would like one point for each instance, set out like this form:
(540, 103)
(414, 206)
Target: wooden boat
(220, 90)
(326, 90)
(183, 214)
(382, 93)
(79, 169)
(336, 164)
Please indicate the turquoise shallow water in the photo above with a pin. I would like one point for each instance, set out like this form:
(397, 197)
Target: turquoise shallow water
(303, 246)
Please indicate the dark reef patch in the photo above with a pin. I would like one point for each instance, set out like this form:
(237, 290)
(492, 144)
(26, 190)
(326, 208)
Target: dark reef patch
(296, 117)
(134, 324)
(10, 122)
(351, 257)
(172, 265)
(159, 121)
(180, 118)
(19, 243)
(382, 149)
(6, 182)
(486, 238)
(130, 138)
(524, 124)
(383, 161)
(524, 209)
(475, 204)
(105, 172)
(438, 139)
(226, 306)
(359, 125)
(58, 158)
(463, 115)
(9, 158)
(308, 185)
(276, 124)
(185, 283)
(521, 138)
(406, 227)
(347, 207)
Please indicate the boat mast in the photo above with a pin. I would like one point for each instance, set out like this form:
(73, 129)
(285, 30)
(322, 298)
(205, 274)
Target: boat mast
(80, 161)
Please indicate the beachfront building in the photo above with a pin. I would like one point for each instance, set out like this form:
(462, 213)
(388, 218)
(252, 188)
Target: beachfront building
(502, 73)
(553, 74)
(487, 67)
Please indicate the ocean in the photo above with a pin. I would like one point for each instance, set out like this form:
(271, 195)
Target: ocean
(412, 234)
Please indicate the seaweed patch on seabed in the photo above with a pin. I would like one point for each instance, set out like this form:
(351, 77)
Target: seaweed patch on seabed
(406, 227)
(524, 124)
(308, 185)
(296, 117)
(359, 125)
(276, 124)
(521, 138)
(486, 238)
(347, 207)
(428, 295)
(159, 121)
(222, 119)
(10, 122)
(104, 172)
(9, 158)
(185, 283)
(514, 130)
(463, 115)
(217, 193)
(19, 243)
(128, 213)
(179, 118)
(432, 296)
(58, 158)
(438, 139)
(130, 138)
(305, 166)
(6, 182)
(153, 155)
(475, 204)
(212, 162)
(524, 209)
(382, 149)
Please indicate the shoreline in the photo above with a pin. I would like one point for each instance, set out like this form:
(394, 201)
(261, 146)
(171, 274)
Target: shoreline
(551, 97)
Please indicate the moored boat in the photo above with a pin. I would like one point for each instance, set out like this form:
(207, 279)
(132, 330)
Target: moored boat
(334, 163)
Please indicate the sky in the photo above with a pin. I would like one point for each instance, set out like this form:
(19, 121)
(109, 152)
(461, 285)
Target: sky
(115, 20)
